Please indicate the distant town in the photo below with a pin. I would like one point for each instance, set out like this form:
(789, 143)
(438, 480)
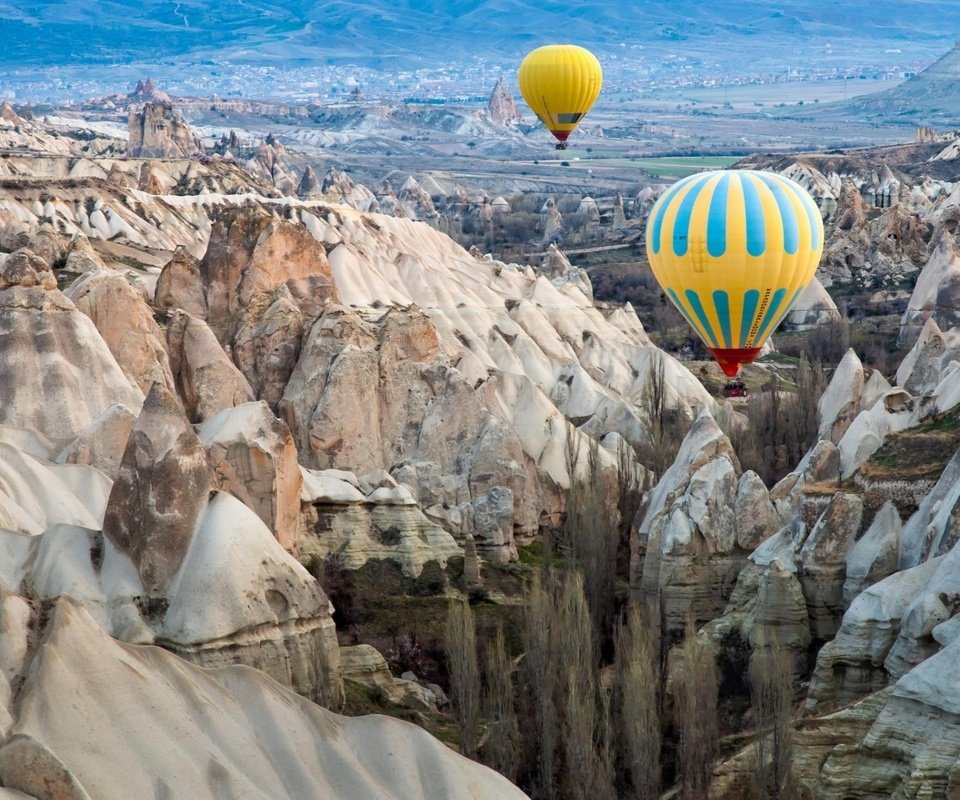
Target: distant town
(462, 82)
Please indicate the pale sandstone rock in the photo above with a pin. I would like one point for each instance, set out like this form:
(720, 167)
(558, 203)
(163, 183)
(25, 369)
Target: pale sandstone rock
(102, 442)
(852, 665)
(267, 343)
(911, 749)
(14, 648)
(823, 562)
(685, 552)
(329, 486)
(416, 202)
(239, 597)
(930, 531)
(257, 730)
(270, 162)
(81, 257)
(934, 603)
(551, 221)
(420, 408)
(126, 324)
(875, 387)
(254, 458)
(364, 664)
(251, 252)
(893, 412)
(180, 285)
(841, 400)
(206, 379)
(339, 188)
(502, 106)
(377, 479)
(165, 478)
(920, 371)
(755, 515)
(158, 130)
(781, 615)
(814, 307)
(935, 294)
(48, 245)
(309, 183)
(813, 743)
(58, 374)
(876, 555)
(381, 527)
(35, 494)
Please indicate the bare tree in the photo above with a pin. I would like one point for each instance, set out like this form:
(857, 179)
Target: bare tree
(668, 425)
(461, 645)
(588, 769)
(500, 750)
(591, 534)
(540, 678)
(638, 722)
(696, 714)
(782, 425)
(771, 692)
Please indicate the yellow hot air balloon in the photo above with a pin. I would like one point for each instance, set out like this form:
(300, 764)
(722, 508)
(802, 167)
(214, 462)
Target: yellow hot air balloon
(733, 250)
(560, 82)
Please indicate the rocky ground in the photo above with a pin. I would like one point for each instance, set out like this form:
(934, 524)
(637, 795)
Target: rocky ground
(225, 378)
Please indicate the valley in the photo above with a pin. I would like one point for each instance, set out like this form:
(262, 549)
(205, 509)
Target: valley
(349, 446)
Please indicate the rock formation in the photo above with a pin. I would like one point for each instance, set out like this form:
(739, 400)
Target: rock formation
(934, 295)
(254, 458)
(501, 106)
(126, 323)
(551, 222)
(269, 161)
(416, 201)
(158, 130)
(80, 378)
(309, 183)
(687, 551)
(163, 485)
(383, 523)
(206, 380)
(257, 730)
(813, 308)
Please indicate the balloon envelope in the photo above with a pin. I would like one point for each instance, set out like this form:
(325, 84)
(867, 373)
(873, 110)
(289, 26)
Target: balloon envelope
(560, 82)
(733, 250)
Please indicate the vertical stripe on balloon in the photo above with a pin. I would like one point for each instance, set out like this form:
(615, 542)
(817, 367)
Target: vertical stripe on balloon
(681, 225)
(721, 303)
(661, 212)
(694, 299)
(682, 309)
(791, 231)
(813, 213)
(756, 228)
(717, 219)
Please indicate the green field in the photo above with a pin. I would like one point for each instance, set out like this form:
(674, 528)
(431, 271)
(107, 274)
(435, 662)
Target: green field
(681, 166)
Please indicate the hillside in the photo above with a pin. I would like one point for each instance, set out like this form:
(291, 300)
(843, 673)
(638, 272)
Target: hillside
(381, 33)
(932, 97)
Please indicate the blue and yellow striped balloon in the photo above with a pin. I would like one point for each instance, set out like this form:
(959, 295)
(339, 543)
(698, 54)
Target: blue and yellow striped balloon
(733, 250)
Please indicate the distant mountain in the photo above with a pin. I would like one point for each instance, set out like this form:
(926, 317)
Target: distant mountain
(931, 97)
(378, 32)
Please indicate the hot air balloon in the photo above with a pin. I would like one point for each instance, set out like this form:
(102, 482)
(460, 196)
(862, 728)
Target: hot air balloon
(560, 82)
(733, 250)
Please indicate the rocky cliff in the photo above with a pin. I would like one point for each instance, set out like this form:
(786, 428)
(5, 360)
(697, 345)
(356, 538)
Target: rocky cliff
(158, 130)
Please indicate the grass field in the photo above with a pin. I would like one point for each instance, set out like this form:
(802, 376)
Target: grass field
(681, 166)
